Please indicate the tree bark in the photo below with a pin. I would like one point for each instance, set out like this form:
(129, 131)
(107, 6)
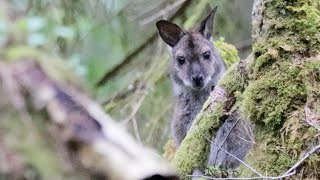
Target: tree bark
(276, 88)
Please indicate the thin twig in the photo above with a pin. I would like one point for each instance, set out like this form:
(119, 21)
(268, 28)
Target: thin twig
(248, 166)
(136, 130)
(251, 168)
(245, 140)
(226, 138)
(126, 61)
(297, 164)
(289, 172)
(134, 109)
(315, 149)
(245, 178)
(136, 86)
(249, 128)
(229, 132)
(161, 114)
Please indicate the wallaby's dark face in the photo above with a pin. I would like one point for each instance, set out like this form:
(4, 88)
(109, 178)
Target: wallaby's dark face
(193, 54)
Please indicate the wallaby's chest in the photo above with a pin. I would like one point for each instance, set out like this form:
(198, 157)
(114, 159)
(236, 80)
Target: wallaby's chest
(191, 103)
(187, 106)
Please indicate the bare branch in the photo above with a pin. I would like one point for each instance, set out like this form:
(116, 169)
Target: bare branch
(251, 140)
(125, 61)
(134, 109)
(248, 166)
(290, 172)
(227, 137)
(297, 164)
(136, 130)
(245, 178)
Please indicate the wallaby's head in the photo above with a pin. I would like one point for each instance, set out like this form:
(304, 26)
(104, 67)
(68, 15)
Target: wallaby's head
(194, 58)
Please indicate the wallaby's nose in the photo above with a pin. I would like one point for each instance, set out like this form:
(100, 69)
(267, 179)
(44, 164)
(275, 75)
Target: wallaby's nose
(197, 80)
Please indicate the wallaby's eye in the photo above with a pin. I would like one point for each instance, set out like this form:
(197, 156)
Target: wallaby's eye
(181, 60)
(206, 55)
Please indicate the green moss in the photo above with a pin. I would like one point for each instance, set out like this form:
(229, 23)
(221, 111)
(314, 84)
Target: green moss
(273, 94)
(219, 172)
(284, 78)
(296, 21)
(311, 72)
(232, 81)
(276, 152)
(227, 51)
(213, 171)
(279, 85)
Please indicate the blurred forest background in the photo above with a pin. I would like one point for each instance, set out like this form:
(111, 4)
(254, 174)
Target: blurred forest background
(111, 49)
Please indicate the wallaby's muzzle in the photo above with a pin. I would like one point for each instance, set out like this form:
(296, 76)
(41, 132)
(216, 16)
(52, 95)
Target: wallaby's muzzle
(198, 81)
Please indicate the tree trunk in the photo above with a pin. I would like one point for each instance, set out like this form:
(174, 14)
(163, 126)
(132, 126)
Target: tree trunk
(276, 88)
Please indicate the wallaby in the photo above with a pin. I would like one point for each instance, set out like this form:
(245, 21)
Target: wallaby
(195, 69)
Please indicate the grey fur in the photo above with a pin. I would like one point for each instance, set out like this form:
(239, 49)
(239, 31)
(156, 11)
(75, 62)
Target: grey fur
(235, 136)
(190, 97)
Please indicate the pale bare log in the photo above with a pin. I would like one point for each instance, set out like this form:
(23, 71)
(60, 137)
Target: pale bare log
(95, 143)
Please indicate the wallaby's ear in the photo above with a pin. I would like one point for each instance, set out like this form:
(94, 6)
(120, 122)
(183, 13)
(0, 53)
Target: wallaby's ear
(206, 25)
(169, 32)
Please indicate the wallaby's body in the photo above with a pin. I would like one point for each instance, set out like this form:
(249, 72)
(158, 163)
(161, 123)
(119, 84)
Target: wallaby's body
(195, 69)
(189, 100)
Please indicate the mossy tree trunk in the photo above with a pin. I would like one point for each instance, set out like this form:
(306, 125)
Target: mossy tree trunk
(277, 89)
